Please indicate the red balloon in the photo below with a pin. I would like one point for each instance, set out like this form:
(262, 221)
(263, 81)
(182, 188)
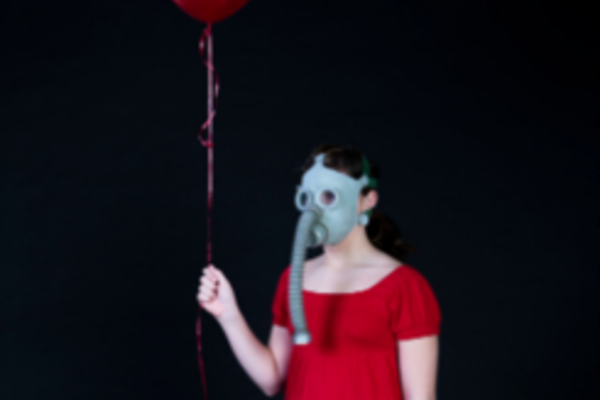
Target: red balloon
(210, 11)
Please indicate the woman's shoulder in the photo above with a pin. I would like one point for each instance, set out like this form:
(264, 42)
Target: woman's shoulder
(409, 281)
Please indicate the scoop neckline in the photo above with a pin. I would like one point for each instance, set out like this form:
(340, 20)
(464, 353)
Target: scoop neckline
(358, 292)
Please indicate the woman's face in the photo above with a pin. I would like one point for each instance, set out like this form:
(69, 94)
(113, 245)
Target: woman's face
(335, 195)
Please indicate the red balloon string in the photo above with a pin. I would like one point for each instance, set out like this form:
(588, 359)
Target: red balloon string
(206, 53)
(207, 34)
(200, 362)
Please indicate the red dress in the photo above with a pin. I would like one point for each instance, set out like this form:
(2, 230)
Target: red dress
(354, 350)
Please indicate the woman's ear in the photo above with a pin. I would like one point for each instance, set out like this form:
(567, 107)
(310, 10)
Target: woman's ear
(372, 199)
(369, 201)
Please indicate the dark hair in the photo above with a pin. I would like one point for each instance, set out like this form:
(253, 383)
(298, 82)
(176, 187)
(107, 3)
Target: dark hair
(381, 230)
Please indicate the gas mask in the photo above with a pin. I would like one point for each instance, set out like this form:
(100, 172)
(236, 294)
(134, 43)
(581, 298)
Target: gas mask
(328, 200)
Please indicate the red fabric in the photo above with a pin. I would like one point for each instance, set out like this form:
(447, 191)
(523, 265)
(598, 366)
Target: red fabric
(354, 349)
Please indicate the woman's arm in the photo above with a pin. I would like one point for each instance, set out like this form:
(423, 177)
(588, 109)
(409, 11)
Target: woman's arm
(418, 359)
(256, 358)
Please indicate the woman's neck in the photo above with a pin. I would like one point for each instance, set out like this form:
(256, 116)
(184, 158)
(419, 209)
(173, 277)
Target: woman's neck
(353, 252)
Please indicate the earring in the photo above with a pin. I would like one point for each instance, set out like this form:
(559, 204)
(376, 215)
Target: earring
(363, 219)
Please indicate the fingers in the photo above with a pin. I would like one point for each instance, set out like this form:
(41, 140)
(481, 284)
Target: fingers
(210, 271)
(208, 281)
(213, 272)
(207, 291)
(208, 287)
(206, 296)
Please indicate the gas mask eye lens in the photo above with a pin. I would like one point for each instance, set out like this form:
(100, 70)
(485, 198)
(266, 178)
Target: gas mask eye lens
(303, 199)
(328, 197)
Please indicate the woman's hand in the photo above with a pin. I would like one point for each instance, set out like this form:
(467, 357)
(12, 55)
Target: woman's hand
(215, 294)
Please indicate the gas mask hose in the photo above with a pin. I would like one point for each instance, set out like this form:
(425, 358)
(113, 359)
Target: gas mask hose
(307, 234)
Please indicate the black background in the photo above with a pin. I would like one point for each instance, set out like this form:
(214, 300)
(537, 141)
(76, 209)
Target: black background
(480, 114)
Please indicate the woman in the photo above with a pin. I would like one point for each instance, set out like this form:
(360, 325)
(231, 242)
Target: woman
(374, 320)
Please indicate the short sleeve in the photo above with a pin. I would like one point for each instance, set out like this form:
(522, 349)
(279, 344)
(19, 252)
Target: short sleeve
(280, 302)
(414, 309)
